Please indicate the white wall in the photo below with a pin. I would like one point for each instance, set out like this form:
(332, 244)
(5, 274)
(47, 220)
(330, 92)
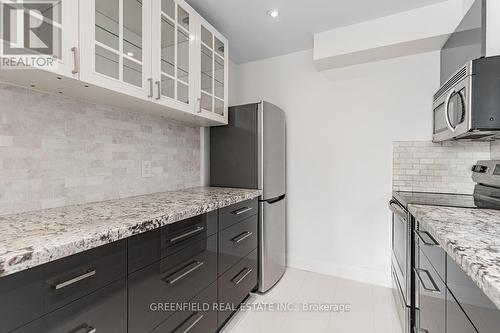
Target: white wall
(341, 125)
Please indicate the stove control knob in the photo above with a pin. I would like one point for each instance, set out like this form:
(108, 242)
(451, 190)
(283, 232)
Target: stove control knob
(479, 169)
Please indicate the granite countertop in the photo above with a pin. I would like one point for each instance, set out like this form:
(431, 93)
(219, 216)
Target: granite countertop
(34, 238)
(469, 236)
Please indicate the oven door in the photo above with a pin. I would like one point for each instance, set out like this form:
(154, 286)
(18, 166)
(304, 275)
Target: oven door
(401, 249)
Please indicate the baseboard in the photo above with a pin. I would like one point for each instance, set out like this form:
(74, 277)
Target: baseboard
(360, 274)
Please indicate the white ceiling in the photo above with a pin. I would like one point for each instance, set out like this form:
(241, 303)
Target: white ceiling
(253, 35)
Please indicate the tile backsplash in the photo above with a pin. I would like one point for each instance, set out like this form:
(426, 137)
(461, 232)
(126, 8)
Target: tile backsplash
(424, 166)
(56, 151)
(495, 150)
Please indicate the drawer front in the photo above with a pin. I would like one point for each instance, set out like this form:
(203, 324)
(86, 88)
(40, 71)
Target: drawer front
(431, 298)
(175, 279)
(29, 294)
(236, 284)
(432, 250)
(149, 247)
(71, 278)
(236, 242)
(482, 312)
(232, 214)
(456, 319)
(199, 317)
(21, 298)
(102, 311)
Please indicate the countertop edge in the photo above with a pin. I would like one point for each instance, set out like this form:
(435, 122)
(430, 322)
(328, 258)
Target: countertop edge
(470, 267)
(29, 258)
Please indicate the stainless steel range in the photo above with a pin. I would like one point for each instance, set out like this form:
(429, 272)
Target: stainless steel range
(486, 175)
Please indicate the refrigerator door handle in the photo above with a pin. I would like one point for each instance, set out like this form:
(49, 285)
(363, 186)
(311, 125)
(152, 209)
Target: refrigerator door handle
(274, 200)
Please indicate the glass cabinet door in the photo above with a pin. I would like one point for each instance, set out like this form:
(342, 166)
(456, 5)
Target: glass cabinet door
(172, 52)
(118, 55)
(213, 72)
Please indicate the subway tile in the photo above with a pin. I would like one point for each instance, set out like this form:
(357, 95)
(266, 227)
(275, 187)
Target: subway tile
(59, 151)
(438, 167)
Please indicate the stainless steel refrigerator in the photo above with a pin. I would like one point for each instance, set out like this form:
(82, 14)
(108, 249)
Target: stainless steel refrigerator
(250, 153)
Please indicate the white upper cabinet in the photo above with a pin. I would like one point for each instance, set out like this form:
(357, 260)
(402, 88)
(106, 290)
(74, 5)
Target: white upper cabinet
(115, 41)
(65, 38)
(59, 20)
(213, 60)
(174, 47)
(152, 55)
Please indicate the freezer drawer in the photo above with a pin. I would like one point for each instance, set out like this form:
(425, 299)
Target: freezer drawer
(272, 243)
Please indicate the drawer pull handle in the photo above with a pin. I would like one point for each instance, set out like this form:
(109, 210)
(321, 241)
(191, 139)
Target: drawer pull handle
(84, 328)
(241, 237)
(187, 234)
(189, 323)
(419, 330)
(241, 210)
(435, 288)
(241, 276)
(420, 233)
(74, 280)
(185, 271)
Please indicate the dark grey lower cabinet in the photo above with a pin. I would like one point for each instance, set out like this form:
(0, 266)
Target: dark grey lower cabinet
(102, 311)
(431, 298)
(447, 300)
(456, 319)
(235, 284)
(162, 281)
(173, 280)
(200, 316)
(476, 306)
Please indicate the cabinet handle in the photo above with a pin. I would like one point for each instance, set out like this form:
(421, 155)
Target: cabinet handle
(74, 280)
(241, 237)
(76, 60)
(420, 330)
(241, 210)
(189, 323)
(241, 276)
(158, 90)
(150, 81)
(183, 272)
(187, 234)
(199, 105)
(420, 233)
(435, 288)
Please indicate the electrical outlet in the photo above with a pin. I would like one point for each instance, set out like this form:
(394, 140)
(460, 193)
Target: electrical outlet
(147, 170)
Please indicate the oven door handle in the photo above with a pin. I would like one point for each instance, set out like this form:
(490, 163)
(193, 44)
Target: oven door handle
(396, 208)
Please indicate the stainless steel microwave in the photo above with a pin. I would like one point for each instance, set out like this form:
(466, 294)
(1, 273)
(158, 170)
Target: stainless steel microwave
(467, 106)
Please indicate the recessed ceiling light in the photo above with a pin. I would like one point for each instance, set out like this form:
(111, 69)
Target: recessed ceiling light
(130, 54)
(274, 13)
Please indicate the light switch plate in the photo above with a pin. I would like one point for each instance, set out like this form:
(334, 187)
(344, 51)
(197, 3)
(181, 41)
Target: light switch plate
(147, 170)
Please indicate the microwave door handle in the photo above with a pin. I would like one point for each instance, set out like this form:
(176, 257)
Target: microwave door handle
(446, 113)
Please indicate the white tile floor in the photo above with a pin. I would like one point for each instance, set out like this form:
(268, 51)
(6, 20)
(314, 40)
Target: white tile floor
(372, 307)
